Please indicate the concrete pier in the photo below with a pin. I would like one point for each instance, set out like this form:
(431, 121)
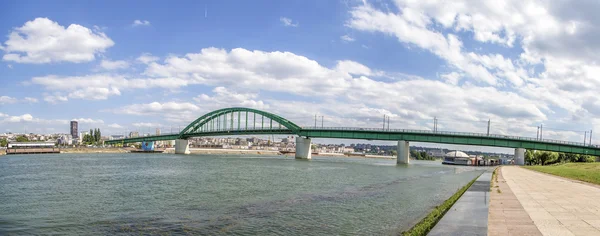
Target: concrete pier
(520, 156)
(303, 148)
(403, 152)
(182, 146)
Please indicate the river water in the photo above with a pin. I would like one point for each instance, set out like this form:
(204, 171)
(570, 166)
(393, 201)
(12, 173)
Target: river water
(133, 194)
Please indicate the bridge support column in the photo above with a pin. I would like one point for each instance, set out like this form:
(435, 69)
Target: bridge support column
(303, 148)
(182, 147)
(403, 152)
(520, 156)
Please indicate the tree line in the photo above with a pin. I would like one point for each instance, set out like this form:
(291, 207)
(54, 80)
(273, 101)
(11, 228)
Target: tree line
(93, 137)
(421, 155)
(533, 157)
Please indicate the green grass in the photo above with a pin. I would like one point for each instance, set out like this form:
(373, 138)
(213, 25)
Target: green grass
(494, 179)
(588, 172)
(427, 223)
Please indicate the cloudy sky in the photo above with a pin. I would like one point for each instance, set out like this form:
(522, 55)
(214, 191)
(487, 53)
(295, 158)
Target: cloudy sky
(124, 66)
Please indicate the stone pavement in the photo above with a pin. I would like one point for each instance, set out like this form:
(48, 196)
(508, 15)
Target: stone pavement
(557, 206)
(506, 215)
(468, 215)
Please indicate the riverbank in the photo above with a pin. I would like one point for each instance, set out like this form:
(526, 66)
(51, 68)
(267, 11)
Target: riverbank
(95, 150)
(587, 172)
(226, 151)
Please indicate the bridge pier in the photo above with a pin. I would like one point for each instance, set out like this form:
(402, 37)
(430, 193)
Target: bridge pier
(303, 148)
(403, 152)
(182, 146)
(520, 156)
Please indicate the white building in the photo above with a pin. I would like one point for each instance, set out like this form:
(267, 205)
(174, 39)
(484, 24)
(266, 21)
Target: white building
(457, 158)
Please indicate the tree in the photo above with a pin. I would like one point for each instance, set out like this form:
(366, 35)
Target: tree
(3, 142)
(415, 154)
(562, 157)
(22, 139)
(529, 158)
(544, 157)
(99, 135)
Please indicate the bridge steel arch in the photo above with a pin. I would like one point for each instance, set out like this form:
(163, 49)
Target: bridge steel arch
(195, 128)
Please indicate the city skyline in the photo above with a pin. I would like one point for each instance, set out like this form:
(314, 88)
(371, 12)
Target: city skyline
(410, 61)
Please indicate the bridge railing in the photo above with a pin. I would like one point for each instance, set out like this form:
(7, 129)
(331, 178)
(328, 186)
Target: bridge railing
(243, 129)
(451, 133)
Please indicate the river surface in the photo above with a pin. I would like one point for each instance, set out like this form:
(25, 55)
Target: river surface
(147, 194)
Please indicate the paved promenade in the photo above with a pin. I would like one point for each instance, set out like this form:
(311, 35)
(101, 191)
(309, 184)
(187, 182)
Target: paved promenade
(507, 216)
(557, 206)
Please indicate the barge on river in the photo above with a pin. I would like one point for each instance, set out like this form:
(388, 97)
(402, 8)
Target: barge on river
(31, 148)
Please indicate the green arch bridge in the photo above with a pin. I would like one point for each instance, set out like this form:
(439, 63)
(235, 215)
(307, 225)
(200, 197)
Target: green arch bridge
(247, 121)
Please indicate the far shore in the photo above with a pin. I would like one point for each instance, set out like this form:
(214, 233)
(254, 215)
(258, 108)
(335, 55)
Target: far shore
(207, 151)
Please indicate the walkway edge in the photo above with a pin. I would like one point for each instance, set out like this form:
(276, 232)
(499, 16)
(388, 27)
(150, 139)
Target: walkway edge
(469, 215)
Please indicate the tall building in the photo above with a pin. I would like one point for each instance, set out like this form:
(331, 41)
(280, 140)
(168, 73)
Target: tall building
(74, 129)
(157, 131)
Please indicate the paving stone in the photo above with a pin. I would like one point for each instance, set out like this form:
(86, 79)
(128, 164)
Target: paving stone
(556, 205)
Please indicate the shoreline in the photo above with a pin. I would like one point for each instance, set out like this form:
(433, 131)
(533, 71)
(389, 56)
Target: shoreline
(209, 151)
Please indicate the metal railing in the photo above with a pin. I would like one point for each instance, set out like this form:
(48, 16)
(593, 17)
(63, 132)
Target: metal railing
(466, 134)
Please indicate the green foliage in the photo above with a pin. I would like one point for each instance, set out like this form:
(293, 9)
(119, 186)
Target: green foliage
(3, 142)
(588, 172)
(551, 158)
(93, 137)
(22, 139)
(421, 155)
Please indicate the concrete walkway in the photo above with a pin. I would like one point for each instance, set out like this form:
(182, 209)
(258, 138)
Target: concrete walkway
(469, 215)
(507, 216)
(556, 205)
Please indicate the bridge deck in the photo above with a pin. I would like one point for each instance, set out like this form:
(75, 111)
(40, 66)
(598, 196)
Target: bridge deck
(445, 137)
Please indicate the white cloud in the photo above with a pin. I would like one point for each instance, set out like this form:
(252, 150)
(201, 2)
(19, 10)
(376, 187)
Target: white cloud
(346, 93)
(28, 118)
(14, 119)
(146, 58)
(171, 111)
(88, 121)
(225, 98)
(452, 77)
(30, 43)
(140, 23)
(147, 125)
(347, 38)
(7, 100)
(9, 66)
(412, 29)
(55, 98)
(115, 126)
(287, 22)
(114, 65)
(31, 100)
(102, 86)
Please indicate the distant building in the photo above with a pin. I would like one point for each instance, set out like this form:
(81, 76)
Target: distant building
(437, 153)
(134, 134)
(74, 129)
(157, 131)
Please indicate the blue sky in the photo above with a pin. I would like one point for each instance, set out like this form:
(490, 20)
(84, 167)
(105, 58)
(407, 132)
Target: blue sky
(350, 61)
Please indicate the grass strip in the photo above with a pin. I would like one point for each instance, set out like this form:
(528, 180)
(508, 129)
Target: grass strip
(588, 172)
(427, 223)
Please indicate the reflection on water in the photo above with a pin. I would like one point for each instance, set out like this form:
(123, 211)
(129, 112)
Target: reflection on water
(126, 194)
